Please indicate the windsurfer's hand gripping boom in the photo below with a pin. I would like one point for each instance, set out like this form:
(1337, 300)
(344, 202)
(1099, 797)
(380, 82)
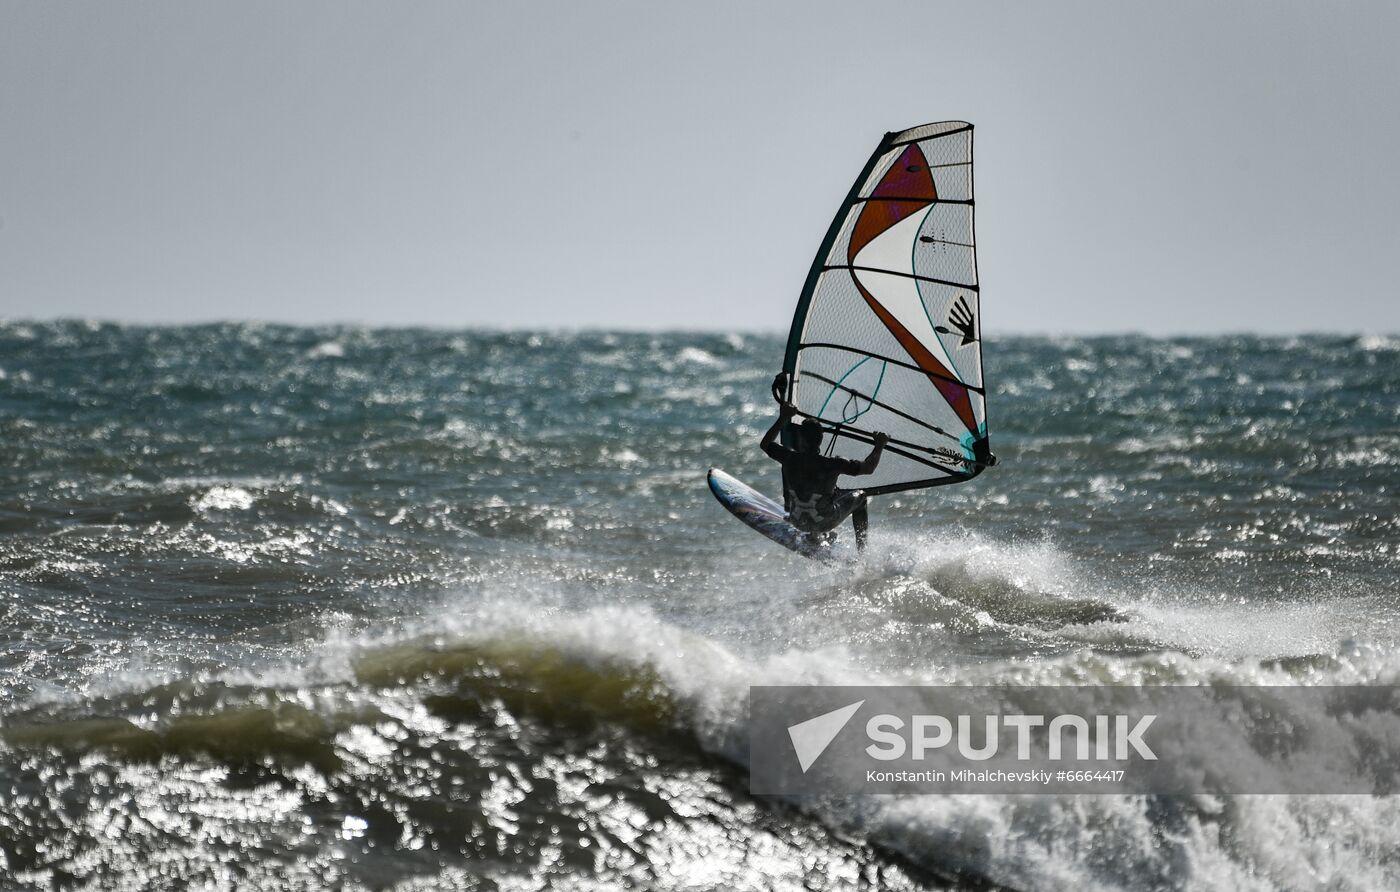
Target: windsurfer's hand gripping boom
(780, 382)
(811, 427)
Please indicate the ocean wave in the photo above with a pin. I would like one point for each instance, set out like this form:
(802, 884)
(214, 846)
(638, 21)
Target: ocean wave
(457, 608)
(468, 682)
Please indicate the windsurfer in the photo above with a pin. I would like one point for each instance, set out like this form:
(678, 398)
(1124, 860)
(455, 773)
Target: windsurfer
(814, 503)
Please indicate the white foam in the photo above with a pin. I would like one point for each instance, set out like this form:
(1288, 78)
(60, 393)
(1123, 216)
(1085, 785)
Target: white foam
(1042, 842)
(696, 356)
(224, 498)
(1045, 842)
(326, 350)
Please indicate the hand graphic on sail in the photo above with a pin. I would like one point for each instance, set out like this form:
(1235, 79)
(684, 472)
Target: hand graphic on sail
(960, 317)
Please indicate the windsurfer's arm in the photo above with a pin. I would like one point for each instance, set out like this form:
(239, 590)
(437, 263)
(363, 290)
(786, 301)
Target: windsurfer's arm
(769, 443)
(873, 459)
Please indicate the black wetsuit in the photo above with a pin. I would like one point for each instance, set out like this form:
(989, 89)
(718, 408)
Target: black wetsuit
(814, 503)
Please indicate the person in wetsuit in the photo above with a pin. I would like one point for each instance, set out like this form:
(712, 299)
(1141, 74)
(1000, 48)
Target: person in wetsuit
(815, 504)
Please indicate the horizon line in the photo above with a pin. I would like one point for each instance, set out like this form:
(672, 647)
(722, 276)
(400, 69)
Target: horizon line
(493, 328)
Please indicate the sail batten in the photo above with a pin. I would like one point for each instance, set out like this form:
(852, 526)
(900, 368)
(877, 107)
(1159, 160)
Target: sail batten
(887, 332)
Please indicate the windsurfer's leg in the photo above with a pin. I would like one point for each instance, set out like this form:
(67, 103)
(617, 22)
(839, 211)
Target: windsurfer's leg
(861, 521)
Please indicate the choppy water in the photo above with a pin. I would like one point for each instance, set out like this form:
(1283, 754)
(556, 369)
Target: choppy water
(304, 608)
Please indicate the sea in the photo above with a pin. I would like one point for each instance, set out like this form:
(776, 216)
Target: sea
(357, 608)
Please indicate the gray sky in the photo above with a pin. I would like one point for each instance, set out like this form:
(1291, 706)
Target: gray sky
(1172, 167)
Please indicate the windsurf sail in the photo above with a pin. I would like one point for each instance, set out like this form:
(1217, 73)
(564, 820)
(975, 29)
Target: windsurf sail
(888, 330)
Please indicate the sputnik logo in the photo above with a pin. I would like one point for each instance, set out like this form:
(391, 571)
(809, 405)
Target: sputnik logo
(811, 738)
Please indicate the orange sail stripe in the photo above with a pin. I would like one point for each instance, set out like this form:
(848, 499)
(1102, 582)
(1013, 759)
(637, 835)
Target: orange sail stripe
(908, 177)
